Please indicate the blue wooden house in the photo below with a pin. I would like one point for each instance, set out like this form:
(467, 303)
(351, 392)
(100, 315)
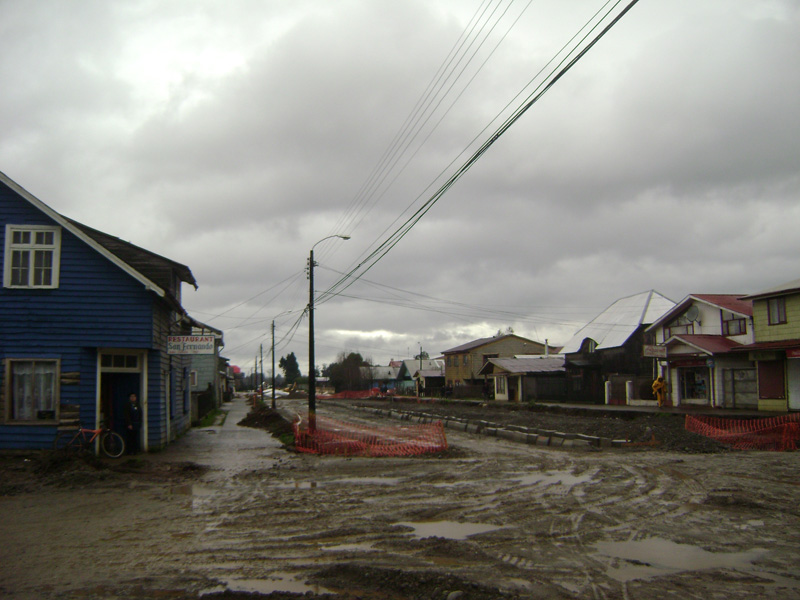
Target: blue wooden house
(84, 321)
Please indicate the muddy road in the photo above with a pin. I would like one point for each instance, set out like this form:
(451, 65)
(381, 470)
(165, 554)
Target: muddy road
(226, 511)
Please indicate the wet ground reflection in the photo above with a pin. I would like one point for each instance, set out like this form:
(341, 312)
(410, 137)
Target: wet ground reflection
(652, 557)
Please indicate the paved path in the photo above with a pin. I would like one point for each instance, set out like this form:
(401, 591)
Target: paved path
(227, 448)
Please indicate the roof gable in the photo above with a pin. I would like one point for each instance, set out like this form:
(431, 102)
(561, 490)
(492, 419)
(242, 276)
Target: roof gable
(153, 266)
(612, 327)
(412, 365)
(729, 302)
(151, 269)
(790, 287)
(488, 340)
(710, 344)
(527, 365)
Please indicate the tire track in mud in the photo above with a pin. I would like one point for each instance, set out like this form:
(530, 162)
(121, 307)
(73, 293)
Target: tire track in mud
(633, 496)
(551, 508)
(471, 491)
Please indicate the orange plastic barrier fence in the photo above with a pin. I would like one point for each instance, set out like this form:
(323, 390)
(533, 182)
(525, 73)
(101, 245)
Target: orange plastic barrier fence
(772, 433)
(338, 437)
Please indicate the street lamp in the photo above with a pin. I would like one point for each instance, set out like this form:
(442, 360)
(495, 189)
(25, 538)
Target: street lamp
(312, 375)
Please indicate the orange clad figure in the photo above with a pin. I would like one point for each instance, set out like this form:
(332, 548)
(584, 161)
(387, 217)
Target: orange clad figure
(660, 390)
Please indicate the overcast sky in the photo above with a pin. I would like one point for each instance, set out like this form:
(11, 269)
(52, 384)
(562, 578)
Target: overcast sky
(232, 136)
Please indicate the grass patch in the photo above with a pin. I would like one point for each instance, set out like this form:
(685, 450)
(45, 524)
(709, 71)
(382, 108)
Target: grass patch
(215, 417)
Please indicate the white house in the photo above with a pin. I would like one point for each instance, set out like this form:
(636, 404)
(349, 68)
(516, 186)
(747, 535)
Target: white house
(703, 363)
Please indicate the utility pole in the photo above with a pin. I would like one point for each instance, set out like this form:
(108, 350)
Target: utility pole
(261, 350)
(273, 365)
(419, 379)
(312, 373)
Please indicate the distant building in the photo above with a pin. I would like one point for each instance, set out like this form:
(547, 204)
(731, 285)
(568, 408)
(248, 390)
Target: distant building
(527, 378)
(382, 377)
(208, 374)
(463, 363)
(408, 374)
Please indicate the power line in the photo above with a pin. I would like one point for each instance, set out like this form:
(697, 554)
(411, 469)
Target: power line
(555, 75)
(423, 112)
(563, 66)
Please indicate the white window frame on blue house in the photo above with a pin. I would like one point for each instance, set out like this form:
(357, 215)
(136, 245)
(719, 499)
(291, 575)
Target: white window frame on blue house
(32, 257)
(33, 381)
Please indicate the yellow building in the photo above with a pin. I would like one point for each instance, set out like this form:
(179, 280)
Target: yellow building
(776, 351)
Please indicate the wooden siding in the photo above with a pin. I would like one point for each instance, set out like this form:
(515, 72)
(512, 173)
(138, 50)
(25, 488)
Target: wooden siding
(165, 323)
(503, 347)
(166, 371)
(97, 305)
(764, 332)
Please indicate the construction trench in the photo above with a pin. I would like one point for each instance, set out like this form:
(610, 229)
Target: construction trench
(227, 512)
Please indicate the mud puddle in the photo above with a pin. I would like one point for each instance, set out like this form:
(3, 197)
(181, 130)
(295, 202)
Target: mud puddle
(451, 530)
(655, 557)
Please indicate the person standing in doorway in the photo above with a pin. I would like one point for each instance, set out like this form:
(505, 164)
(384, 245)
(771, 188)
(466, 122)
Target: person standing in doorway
(133, 424)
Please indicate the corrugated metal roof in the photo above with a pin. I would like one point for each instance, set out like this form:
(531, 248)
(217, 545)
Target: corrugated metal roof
(612, 327)
(545, 364)
(381, 372)
(731, 302)
(412, 365)
(712, 344)
(153, 266)
(430, 374)
(470, 345)
(784, 288)
(775, 345)
(483, 341)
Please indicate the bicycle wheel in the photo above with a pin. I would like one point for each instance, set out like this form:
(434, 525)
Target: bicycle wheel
(112, 444)
(68, 440)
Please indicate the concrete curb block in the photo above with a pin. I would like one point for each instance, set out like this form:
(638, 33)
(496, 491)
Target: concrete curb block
(514, 433)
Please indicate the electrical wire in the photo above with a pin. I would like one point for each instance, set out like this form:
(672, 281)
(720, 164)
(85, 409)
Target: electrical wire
(424, 111)
(380, 173)
(556, 74)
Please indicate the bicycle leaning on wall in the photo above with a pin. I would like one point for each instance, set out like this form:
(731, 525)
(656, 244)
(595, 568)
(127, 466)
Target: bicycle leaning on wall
(82, 440)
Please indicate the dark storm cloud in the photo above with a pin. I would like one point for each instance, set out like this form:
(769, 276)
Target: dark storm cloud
(233, 136)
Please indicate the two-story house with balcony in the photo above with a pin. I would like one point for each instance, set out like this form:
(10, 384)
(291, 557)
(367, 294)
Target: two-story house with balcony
(84, 322)
(703, 336)
(776, 348)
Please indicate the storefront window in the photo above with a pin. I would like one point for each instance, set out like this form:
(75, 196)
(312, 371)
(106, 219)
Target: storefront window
(694, 383)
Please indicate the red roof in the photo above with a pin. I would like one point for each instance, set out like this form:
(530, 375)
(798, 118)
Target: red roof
(778, 345)
(732, 302)
(713, 344)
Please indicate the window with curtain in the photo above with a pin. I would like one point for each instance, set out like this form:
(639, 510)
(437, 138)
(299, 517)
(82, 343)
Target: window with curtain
(33, 389)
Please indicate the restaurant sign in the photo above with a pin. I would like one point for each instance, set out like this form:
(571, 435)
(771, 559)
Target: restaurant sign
(651, 351)
(190, 344)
